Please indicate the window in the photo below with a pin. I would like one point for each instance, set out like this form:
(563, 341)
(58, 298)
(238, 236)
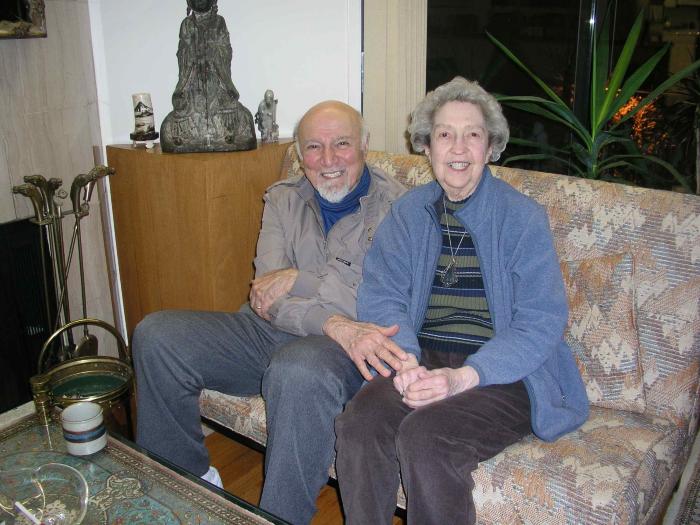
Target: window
(553, 38)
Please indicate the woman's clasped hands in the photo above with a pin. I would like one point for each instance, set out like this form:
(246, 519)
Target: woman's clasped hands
(420, 387)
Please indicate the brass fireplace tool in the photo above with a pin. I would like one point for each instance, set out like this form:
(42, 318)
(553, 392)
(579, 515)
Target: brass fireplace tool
(70, 371)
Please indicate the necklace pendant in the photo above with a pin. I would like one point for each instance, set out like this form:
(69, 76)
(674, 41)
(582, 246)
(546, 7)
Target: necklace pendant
(449, 276)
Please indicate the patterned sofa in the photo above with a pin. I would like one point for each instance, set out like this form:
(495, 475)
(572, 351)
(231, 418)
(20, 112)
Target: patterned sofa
(630, 258)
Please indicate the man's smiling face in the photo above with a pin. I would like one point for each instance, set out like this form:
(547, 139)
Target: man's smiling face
(332, 149)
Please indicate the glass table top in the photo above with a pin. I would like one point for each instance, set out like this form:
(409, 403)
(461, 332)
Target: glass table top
(126, 484)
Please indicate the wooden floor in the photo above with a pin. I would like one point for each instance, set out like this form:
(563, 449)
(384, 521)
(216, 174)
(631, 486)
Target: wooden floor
(241, 470)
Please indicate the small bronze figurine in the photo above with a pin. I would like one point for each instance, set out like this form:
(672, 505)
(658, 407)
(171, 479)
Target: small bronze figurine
(207, 115)
(266, 118)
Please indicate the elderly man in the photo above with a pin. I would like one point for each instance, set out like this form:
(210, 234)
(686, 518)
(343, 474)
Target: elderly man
(296, 341)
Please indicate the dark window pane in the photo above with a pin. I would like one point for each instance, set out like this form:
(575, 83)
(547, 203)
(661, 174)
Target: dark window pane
(543, 34)
(553, 38)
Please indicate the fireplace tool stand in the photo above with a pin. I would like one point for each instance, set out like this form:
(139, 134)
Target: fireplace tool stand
(70, 371)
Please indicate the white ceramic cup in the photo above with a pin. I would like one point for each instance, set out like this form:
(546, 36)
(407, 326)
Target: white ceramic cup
(83, 428)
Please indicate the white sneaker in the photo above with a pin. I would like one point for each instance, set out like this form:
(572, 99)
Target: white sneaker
(212, 476)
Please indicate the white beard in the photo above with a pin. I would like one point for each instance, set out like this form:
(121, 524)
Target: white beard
(333, 194)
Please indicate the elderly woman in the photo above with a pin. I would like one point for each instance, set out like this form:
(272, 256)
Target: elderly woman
(466, 267)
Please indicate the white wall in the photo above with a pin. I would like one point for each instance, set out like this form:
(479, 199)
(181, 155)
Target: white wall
(304, 50)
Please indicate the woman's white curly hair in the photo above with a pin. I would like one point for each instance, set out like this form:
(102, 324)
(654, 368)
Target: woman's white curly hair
(461, 90)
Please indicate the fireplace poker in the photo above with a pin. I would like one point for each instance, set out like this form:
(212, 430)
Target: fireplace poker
(52, 218)
(80, 195)
(53, 188)
(37, 199)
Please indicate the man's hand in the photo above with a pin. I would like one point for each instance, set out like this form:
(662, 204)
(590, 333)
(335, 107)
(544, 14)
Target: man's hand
(437, 384)
(267, 288)
(366, 343)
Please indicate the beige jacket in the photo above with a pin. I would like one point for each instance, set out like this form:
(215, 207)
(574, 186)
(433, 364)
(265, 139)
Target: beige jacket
(330, 268)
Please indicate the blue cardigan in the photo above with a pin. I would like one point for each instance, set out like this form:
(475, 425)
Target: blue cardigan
(523, 283)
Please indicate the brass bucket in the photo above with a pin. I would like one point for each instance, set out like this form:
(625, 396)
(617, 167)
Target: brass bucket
(101, 379)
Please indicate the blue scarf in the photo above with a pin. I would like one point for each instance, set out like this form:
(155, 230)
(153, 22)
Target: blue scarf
(332, 212)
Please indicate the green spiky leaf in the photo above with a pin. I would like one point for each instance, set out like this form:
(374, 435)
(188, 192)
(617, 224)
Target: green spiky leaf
(551, 94)
(619, 72)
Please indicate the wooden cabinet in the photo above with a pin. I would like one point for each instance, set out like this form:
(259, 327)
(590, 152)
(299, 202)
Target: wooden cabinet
(186, 225)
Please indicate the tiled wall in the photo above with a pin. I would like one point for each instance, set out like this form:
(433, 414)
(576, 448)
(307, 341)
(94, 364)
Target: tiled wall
(49, 125)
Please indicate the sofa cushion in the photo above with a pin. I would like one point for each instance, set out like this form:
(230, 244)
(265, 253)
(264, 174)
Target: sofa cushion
(243, 415)
(602, 332)
(591, 218)
(619, 467)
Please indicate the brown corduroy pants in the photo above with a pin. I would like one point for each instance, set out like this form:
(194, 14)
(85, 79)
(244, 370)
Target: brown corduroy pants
(433, 448)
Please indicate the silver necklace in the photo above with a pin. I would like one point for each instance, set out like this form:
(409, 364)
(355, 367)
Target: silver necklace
(449, 274)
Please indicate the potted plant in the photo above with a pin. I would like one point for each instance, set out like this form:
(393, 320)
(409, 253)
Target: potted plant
(602, 144)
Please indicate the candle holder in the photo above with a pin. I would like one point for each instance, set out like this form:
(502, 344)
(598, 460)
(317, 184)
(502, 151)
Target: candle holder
(144, 123)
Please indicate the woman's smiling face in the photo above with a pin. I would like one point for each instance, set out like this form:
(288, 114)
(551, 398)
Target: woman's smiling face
(459, 148)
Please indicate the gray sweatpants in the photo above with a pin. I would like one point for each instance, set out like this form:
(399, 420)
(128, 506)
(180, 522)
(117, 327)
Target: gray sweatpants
(305, 381)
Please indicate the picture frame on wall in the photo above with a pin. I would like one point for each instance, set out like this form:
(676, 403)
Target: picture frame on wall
(22, 19)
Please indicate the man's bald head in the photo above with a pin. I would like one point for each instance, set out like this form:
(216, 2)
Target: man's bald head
(329, 106)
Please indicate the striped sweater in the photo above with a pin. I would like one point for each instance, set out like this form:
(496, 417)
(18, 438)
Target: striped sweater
(458, 317)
